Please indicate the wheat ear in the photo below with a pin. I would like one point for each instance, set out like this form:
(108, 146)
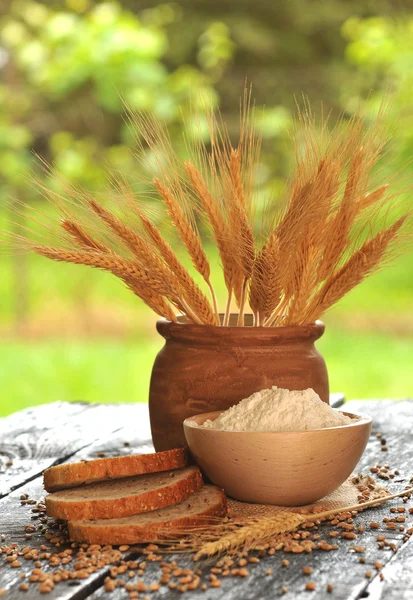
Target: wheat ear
(312, 196)
(304, 284)
(134, 242)
(143, 251)
(242, 226)
(272, 279)
(81, 236)
(189, 237)
(372, 198)
(122, 267)
(257, 530)
(340, 224)
(219, 230)
(362, 263)
(257, 288)
(125, 269)
(155, 301)
(193, 297)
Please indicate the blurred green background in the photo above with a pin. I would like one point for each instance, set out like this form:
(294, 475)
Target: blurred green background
(70, 333)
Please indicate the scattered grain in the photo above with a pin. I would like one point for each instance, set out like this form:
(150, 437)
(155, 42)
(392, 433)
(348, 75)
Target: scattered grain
(310, 586)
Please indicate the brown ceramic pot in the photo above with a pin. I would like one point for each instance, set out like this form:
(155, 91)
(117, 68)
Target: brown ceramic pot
(203, 368)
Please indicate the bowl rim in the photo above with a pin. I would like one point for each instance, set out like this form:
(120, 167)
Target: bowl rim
(363, 419)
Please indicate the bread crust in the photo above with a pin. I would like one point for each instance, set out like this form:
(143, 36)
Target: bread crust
(107, 533)
(71, 475)
(176, 490)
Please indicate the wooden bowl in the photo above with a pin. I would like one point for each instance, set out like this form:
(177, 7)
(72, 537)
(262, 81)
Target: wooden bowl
(283, 468)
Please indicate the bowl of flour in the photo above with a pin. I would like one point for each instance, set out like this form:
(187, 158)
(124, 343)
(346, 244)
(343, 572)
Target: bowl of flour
(283, 447)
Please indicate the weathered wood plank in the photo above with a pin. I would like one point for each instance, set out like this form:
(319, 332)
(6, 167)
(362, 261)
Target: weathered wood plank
(133, 437)
(395, 415)
(46, 435)
(397, 582)
(40, 416)
(337, 400)
(341, 568)
(19, 439)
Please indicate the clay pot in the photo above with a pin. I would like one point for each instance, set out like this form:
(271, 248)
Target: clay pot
(203, 368)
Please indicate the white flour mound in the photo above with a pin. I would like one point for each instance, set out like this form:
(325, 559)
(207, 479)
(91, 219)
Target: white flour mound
(277, 409)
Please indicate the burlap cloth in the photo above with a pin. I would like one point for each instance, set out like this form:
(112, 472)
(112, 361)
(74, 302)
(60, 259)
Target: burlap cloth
(348, 494)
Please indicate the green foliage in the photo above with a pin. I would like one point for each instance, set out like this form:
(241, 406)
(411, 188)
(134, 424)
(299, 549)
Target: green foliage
(68, 72)
(381, 49)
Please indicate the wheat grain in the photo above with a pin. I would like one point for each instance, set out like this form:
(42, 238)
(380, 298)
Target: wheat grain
(253, 531)
(139, 246)
(273, 289)
(257, 292)
(236, 176)
(239, 220)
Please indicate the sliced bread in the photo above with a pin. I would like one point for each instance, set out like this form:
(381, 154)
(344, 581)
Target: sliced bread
(199, 509)
(73, 474)
(122, 497)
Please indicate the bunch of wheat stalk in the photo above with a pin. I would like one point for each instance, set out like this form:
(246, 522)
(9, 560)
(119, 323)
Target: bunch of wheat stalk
(322, 238)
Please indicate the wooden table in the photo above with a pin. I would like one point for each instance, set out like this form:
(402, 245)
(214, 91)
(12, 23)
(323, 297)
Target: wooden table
(34, 439)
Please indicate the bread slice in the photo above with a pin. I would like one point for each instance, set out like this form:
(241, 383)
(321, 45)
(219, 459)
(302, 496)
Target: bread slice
(122, 497)
(70, 475)
(199, 509)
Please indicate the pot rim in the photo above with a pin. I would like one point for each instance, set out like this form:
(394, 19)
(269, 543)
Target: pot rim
(194, 331)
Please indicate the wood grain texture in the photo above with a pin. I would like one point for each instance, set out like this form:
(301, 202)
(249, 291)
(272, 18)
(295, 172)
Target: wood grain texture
(341, 568)
(32, 440)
